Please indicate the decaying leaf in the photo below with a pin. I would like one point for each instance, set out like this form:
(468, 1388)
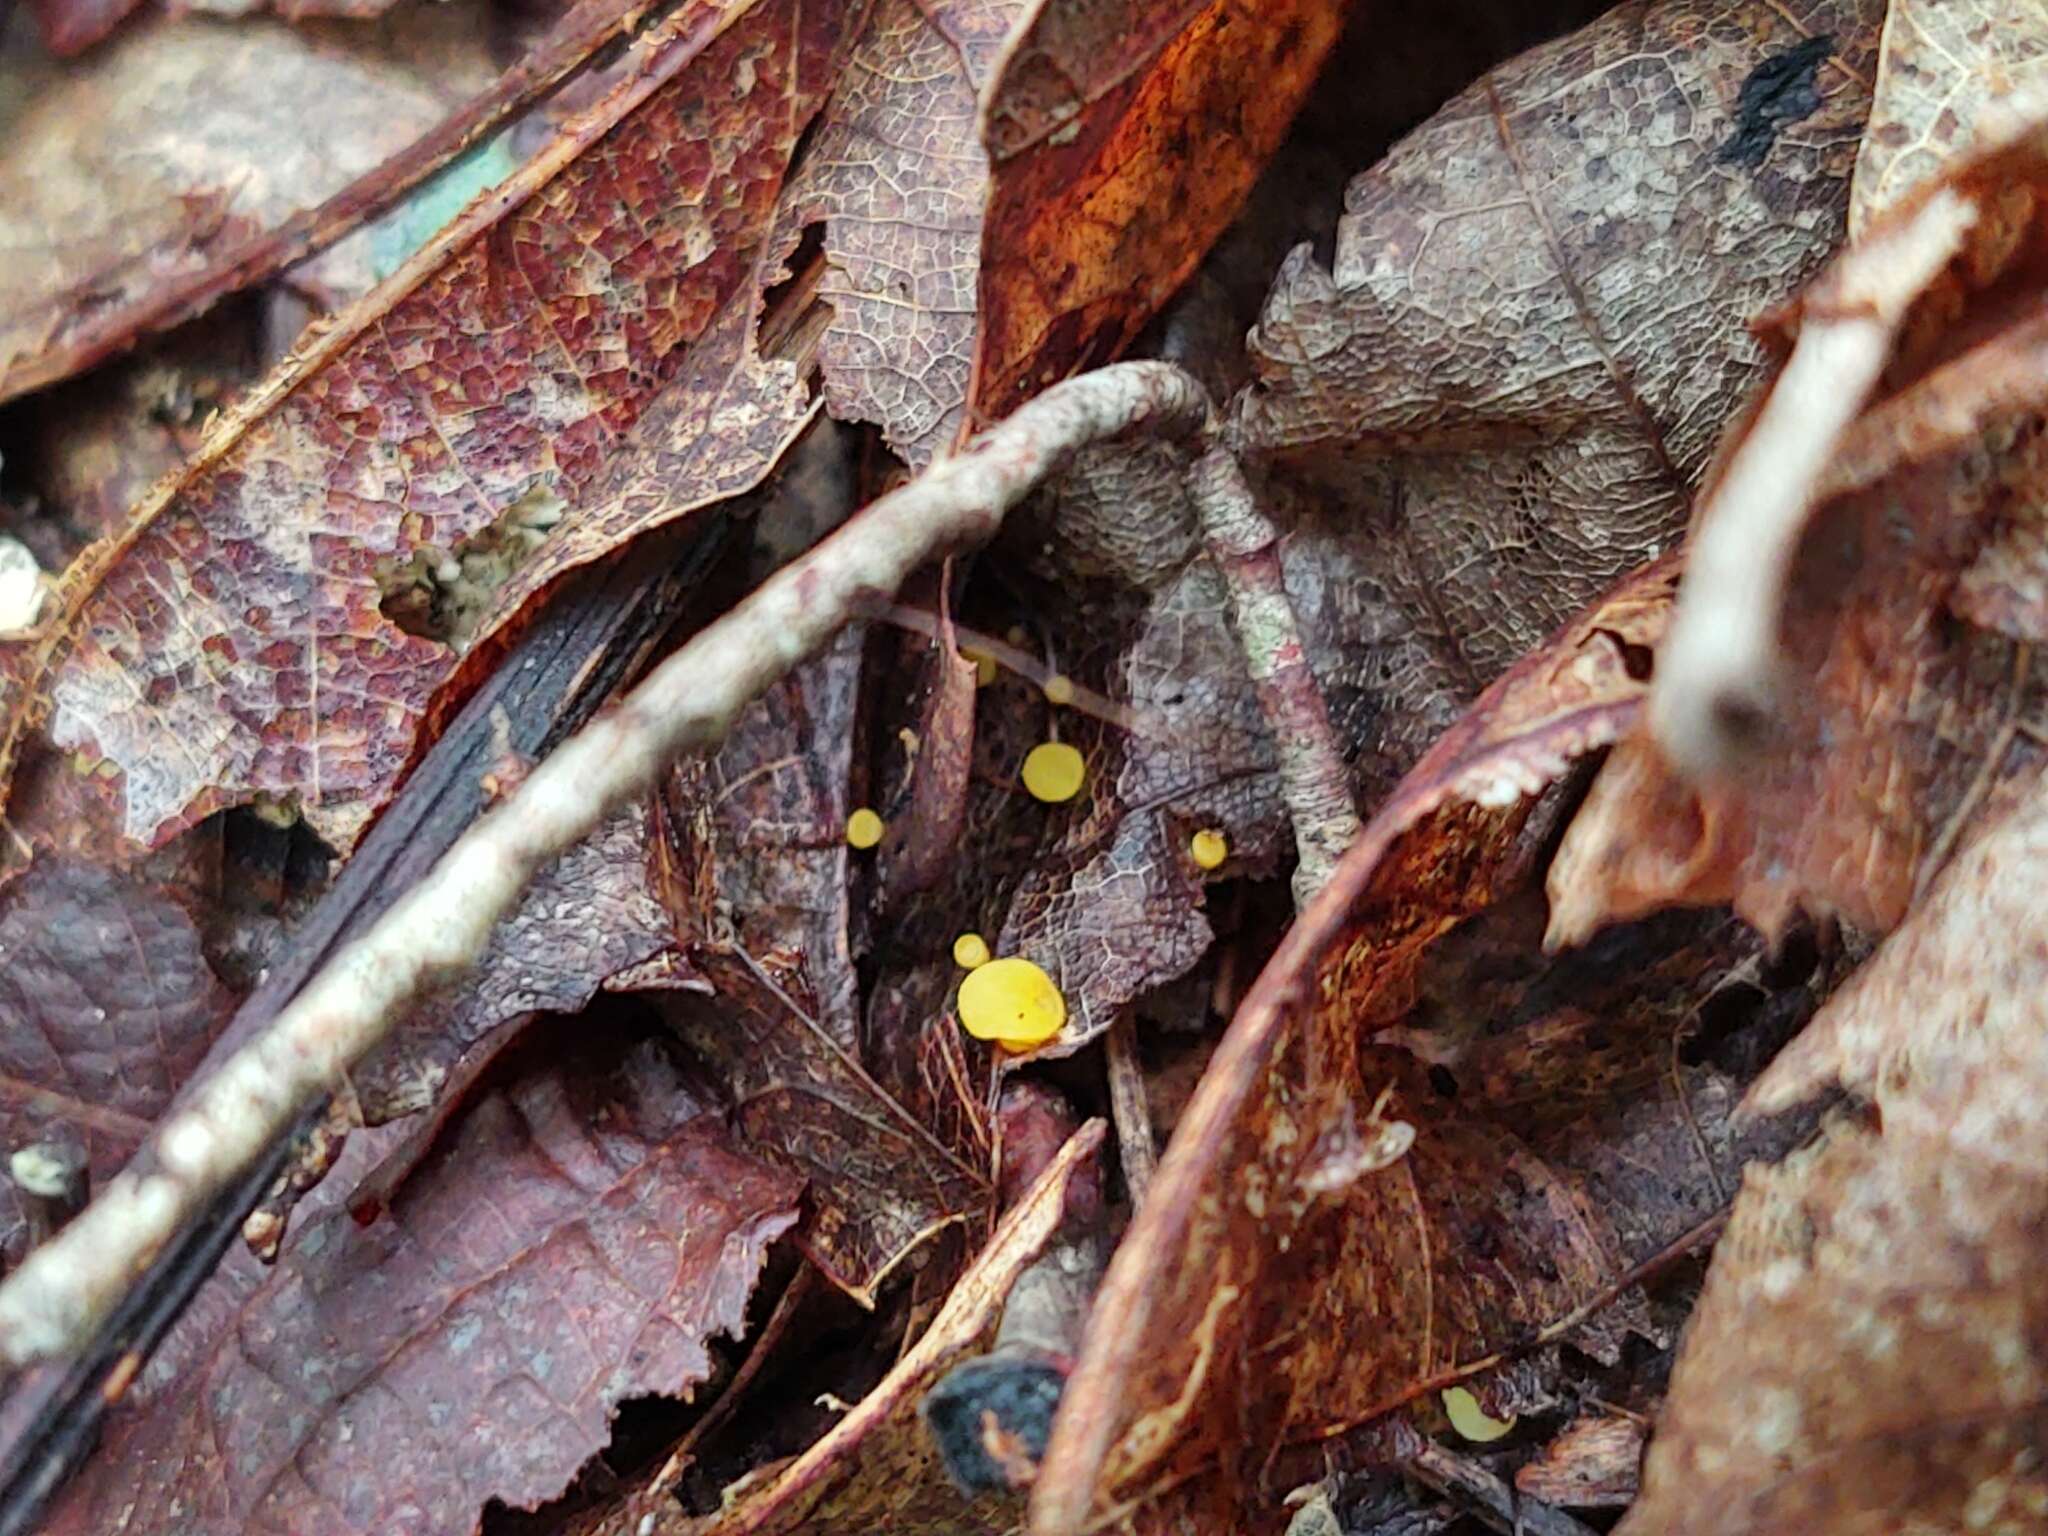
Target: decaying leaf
(1593, 1464)
(757, 881)
(1871, 677)
(232, 642)
(1336, 1229)
(108, 1004)
(593, 916)
(125, 174)
(1124, 136)
(577, 1239)
(1532, 331)
(1941, 63)
(1871, 1349)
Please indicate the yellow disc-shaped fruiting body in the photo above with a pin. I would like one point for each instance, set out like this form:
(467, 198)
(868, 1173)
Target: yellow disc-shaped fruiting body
(864, 828)
(970, 951)
(1471, 1420)
(1208, 848)
(984, 665)
(1012, 1002)
(1054, 772)
(1059, 689)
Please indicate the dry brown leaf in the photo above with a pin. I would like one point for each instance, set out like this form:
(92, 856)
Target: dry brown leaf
(1941, 63)
(1871, 1349)
(1533, 327)
(1292, 1224)
(1901, 672)
(1124, 135)
(576, 1240)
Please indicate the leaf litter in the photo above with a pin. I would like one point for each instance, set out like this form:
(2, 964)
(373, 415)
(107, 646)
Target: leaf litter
(1477, 1124)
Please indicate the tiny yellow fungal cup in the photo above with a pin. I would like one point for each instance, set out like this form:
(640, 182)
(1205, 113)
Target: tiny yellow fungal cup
(1471, 1420)
(1059, 689)
(970, 951)
(1208, 848)
(1012, 1002)
(1054, 772)
(864, 828)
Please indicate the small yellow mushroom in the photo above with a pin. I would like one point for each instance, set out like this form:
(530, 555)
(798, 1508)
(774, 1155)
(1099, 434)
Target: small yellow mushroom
(1208, 848)
(970, 951)
(1054, 772)
(1012, 1002)
(1471, 1420)
(1017, 635)
(984, 665)
(1059, 689)
(864, 828)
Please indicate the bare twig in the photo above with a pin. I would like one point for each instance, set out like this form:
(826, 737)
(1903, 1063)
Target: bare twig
(1491, 1499)
(1313, 781)
(1129, 1107)
(1718, 680)
(436, 931)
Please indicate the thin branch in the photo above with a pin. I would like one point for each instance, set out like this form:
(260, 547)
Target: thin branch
(1719, 672)
(1314, 782)
(438, 929)
(1129, 1107)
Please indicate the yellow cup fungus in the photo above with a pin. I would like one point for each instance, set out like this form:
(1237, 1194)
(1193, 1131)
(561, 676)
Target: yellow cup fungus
(864, 828)
(970, 951)
(984, 665)
(1059, 689)
(1054, 772)
(1471, 1420)
(1208, 848)
(1012, 1002)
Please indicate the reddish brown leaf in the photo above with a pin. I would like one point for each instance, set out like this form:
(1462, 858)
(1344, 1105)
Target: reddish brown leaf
(579, 1237)
(1593, 1464)
(1124, 135)
(1292, 1223)
(231, 642)
(72, 26)
(1871, 1349)
(106, 1003)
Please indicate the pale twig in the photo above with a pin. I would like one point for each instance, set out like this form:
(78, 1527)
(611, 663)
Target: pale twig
(1718, 679)
(435, 932)
(1313, 780)
(1129, 1107)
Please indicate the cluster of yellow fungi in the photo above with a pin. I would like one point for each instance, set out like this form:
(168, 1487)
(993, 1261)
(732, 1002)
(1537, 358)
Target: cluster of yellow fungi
(1011, 1001)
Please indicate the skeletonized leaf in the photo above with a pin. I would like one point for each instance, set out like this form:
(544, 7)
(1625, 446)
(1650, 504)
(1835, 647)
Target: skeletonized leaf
(1942, 61)
(1533, 328)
